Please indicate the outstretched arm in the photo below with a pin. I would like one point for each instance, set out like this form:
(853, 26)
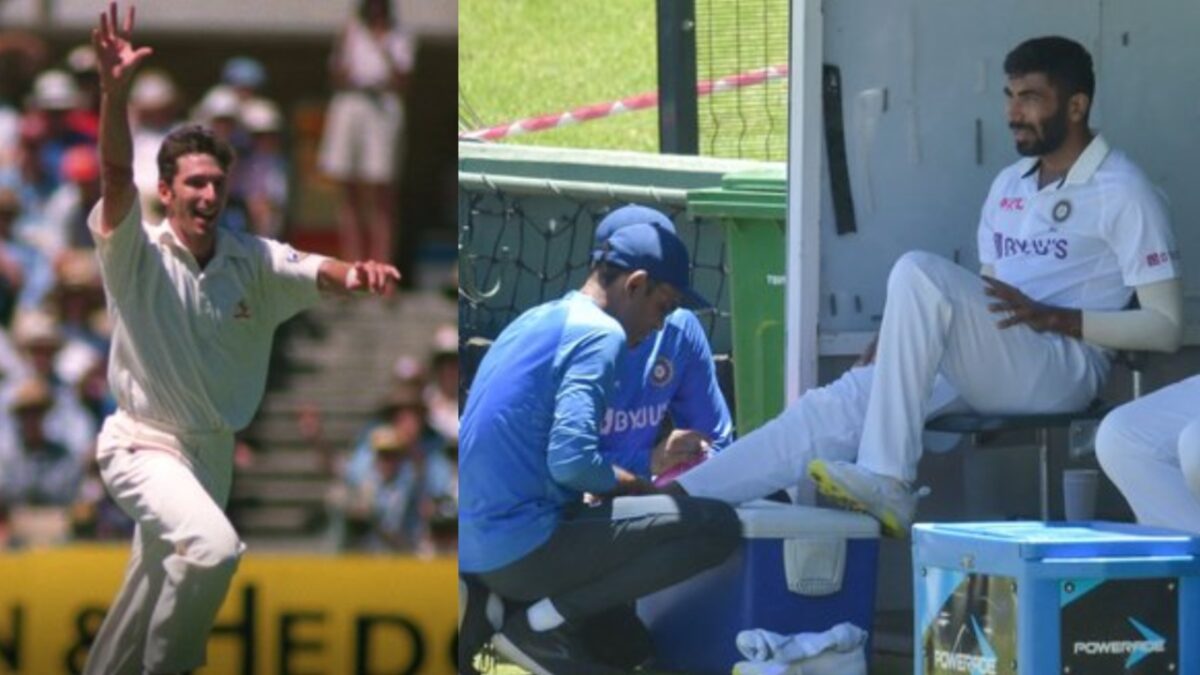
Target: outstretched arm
(117, 59)
(366, 276)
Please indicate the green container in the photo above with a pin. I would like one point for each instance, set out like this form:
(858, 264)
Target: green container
(752, 206)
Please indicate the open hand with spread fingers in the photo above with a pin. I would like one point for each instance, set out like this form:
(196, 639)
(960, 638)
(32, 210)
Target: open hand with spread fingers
(368, 276)
(1021, 309)
(116, 56)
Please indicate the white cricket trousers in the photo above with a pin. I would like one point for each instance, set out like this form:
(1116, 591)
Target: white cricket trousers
(185, 551)
(1150, 448)
(939, 350)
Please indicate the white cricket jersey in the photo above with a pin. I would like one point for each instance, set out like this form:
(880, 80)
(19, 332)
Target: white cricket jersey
(190, 347)
(1082, 242)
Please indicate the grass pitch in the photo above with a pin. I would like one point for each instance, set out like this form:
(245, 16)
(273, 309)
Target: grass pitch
(520, 58)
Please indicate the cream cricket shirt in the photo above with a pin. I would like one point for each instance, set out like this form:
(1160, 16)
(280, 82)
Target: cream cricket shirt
(190, 347)
(1083, 242)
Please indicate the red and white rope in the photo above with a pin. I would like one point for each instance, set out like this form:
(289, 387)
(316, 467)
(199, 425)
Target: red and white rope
(638, 102)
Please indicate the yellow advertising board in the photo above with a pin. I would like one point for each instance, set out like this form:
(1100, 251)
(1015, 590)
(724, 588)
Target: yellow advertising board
(284, 615)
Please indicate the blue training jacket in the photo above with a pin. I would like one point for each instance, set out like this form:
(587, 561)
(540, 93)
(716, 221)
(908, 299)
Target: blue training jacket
(670, 372)
(529, 438)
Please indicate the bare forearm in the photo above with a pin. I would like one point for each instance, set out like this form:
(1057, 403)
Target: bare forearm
(1064, 321)
(368, 276)
(331, 276)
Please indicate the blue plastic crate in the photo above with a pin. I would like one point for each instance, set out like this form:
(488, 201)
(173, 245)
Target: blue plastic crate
(1044, 598)
(695, 623)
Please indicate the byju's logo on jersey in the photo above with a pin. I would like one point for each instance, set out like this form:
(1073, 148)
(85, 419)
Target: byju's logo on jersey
(1007, 247)
(662, 372)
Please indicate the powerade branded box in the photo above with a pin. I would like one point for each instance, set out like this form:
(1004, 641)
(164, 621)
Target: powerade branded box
(1045, 598)
(800, 569)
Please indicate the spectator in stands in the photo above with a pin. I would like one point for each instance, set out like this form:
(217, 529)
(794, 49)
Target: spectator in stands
(154, 103)
(81, 63)
(21, 55)
(441, 395)
(401, 492)
(39, 339)
(219, 110)
(64, 217)
(245, 76)
(25, 274)
(370, 64)
(55, 99)
(40, 471)
(262, 180)
(28, 177)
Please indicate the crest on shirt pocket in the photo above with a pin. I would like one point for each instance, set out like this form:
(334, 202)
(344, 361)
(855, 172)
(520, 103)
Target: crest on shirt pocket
(1061, 211)
(242, 310)
(662, 372)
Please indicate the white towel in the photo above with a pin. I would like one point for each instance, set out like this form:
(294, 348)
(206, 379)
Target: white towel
(763, 645)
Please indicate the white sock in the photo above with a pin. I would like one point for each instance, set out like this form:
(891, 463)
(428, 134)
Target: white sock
(543, 616)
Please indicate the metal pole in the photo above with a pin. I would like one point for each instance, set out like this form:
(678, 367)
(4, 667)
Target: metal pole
(804, 198)
(677, 111)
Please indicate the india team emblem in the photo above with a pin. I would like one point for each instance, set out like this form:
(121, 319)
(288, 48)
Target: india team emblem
(662, 372)
(1062, 211)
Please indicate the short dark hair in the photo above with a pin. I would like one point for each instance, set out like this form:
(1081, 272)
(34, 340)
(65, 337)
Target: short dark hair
(606, 273)
(1064, 62)
(191, 139)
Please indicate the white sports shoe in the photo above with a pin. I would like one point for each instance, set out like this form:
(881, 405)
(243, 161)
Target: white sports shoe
(890, 501)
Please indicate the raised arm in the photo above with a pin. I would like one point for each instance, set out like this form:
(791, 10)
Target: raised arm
(117, 59)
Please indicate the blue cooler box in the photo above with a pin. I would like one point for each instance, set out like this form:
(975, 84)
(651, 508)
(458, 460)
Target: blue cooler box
(801, 569)
(1046, 598)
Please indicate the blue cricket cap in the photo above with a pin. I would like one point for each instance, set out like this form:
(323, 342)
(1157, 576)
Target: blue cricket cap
(655, 248)
(629, 215)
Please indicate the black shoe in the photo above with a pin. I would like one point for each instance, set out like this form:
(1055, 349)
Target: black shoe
(552, 652)
(618, 637)
(475, 629)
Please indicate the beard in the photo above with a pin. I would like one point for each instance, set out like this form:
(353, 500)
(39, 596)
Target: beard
(1045, 140)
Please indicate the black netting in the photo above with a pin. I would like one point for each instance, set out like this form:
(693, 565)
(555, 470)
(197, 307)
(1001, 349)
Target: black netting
(735, 37)
(520, 250)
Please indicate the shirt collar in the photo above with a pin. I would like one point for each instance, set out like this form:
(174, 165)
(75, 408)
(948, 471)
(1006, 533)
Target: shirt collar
(1085, 166)
(229, 245)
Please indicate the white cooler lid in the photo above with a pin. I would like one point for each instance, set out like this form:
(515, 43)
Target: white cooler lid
(763, 519)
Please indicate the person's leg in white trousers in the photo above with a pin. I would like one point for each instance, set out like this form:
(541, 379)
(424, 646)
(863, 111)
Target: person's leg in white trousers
(937, 321)
(185, 553)
(1149, 448)
(823, 423)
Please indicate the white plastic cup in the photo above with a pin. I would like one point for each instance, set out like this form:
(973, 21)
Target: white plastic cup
(1079, 493)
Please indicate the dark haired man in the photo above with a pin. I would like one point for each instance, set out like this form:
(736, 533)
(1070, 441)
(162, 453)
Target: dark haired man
(1068, 236)
(530, 450)
(194, 309)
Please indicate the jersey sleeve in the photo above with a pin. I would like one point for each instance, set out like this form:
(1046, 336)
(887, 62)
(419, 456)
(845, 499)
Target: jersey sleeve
(587, 364)
(121, 250)
(1139, 232)
(698, 403)
(291, 281)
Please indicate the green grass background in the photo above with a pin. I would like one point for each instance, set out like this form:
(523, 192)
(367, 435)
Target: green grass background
(520, 58)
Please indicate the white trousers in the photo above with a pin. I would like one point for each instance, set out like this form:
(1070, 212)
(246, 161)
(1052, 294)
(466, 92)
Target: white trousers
(939, 350)
(1150, 448)
(185, 551)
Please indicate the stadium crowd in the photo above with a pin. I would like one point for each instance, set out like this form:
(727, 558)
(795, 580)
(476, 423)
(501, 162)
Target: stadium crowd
(394, 490)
